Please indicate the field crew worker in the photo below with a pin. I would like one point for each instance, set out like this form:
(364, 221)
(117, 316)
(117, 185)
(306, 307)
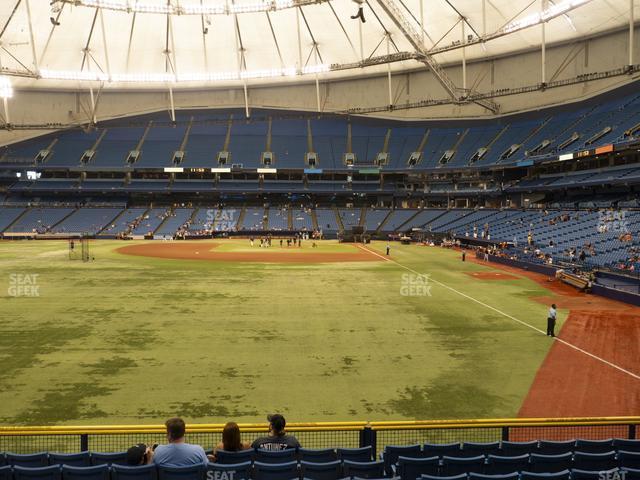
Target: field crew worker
(551, 321)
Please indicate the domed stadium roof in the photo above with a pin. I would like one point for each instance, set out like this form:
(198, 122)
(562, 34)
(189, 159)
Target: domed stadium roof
(195, 43)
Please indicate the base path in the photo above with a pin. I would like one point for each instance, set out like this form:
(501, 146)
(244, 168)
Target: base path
(207, 251)
(571, 384)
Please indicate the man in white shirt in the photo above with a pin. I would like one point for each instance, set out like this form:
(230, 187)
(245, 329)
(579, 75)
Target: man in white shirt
(551, 321)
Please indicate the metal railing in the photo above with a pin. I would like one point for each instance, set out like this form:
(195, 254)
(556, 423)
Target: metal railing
(108, 438)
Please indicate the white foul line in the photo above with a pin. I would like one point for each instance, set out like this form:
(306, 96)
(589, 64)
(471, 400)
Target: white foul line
(564, 342)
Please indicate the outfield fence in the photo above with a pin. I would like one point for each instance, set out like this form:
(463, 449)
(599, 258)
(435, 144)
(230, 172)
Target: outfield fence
(69, 439)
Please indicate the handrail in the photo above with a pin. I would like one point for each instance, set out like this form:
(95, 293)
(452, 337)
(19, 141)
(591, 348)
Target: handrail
(323, 426)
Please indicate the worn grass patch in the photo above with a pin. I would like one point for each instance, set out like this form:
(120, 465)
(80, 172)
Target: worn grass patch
(128, 339)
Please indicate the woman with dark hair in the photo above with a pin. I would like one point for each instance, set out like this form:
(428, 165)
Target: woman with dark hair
(231, 441)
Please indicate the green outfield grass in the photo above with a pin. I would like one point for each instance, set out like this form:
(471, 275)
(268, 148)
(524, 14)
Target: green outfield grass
(127, 339)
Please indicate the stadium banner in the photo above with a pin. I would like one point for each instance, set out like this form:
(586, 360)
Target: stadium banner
(524, 163)
(374, 171)
(313, 170)
(604, 149)
(566, 156)
(221, 170)
(173, 169)
(267, 170)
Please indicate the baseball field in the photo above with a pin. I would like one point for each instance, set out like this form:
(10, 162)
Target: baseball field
(220, 330)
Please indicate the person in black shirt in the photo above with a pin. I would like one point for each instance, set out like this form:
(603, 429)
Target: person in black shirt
(277, 438)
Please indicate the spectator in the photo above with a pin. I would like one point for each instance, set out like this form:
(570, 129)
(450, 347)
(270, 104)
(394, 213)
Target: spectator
(139, 454)
(177, 452)
(277, 438)
(231, 441)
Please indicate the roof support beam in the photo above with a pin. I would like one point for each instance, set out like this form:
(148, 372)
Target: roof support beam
(631, 28)
(88, 42)
(543, 45)
(13, 12)
(133, 24)
(105, 45)
(415, 39)
(31, 37)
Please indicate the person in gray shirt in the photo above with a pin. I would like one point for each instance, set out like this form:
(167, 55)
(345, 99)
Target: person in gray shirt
(277, 438)
(178, 452)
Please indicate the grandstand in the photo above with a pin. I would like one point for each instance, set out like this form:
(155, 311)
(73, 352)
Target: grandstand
(411, 226)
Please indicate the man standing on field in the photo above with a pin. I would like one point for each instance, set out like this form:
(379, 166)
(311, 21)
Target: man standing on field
(551, 321)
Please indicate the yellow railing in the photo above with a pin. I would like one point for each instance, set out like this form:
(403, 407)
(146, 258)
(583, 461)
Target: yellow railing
(326, 426)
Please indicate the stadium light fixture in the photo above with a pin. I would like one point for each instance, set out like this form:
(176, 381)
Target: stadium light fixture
(554, 10)
(6, 90)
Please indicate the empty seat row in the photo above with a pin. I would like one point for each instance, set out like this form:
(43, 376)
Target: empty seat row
(506, 448)
(614, 474)
(409, 468)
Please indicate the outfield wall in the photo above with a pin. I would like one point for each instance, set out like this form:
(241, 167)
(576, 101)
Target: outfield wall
(69, 439)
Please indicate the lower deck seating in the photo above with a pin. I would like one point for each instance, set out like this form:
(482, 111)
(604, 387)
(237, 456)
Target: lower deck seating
(466, 461)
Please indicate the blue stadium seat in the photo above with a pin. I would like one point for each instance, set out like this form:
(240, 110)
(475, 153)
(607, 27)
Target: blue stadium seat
(546, 447)
(275, 471)
(363, 454)
(110, 458)
(321, 471)
(626, 445)
(276, 456)
(457, 465)
(51, 472)
(323, 455)
(594, 446)
(628, 459)
(6, 473)
(364, 469)
(229, 471)
(441, 449)
(140, 472)
(97, 472)
(3, 459)
(512, 449)
(505, 476)
(594, 461)
(462, 476)
(222, 456)
(29, 460)
(499, 465)
(551, 463)
(391, 453)
(82, 459)
(473, 449)
(631, 473)
(563, 475)
(410, 468)
(189, 472)
(577, 474)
